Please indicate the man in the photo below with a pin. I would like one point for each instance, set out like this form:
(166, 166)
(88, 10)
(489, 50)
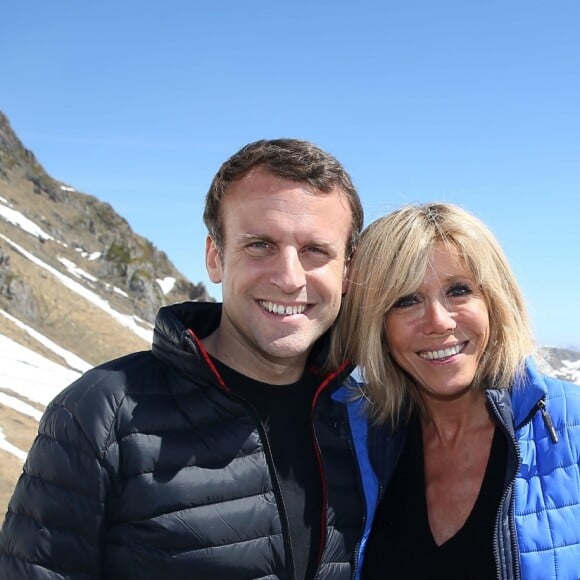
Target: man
(225, 452)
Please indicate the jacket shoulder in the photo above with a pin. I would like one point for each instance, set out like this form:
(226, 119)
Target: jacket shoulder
(91, 404)
(565, 397)
(114, 377)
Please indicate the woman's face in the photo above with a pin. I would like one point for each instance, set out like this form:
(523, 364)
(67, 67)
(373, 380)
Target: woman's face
(439, 333)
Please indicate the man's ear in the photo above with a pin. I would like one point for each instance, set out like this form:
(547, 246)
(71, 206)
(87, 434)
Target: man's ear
(213, 261)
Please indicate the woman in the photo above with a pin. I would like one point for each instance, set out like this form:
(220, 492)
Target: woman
(487, 483)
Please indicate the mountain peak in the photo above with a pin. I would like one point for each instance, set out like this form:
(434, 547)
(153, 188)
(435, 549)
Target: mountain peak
(53, 237)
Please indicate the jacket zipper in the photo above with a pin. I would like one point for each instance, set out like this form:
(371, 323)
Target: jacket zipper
(276, 489)
(541, 406)
(508, 491)
(548, 420)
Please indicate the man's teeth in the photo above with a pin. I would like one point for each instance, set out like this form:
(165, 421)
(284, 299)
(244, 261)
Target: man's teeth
(437, 354)
(282, 310)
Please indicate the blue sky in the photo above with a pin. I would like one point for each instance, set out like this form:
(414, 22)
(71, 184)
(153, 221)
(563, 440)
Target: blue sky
(476, 103)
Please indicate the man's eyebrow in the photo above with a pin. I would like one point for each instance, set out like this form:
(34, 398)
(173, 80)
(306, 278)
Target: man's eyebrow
(321, 244)
(255, 236)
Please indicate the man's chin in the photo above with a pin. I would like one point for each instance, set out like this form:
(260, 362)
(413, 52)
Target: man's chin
(289, 347)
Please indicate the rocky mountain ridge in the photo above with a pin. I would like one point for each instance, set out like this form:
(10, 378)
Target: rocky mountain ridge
(74, 234)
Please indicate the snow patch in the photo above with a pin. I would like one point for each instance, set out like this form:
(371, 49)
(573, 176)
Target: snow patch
(166, 284)
(20, 220)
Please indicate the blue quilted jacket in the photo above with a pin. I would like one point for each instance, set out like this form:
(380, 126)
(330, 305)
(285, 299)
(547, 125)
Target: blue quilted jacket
(538, 527)
(537, 534)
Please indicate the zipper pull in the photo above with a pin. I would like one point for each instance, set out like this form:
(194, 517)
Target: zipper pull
(548, 421)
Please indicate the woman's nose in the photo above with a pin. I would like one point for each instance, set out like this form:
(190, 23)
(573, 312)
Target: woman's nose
(438, 318)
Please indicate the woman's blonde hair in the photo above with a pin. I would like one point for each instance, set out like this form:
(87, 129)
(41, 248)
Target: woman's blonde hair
(390, 262)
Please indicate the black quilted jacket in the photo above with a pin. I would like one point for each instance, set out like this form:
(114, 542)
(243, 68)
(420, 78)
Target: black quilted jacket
(147, 468)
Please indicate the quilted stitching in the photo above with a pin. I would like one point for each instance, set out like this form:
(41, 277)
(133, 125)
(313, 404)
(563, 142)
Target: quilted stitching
(547, 496)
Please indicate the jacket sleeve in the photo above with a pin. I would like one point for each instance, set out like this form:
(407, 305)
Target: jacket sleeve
(53, 527)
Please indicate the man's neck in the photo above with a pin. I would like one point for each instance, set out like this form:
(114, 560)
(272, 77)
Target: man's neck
(254, 365)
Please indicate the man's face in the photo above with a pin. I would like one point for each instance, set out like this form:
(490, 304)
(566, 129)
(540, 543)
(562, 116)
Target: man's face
(283, 273)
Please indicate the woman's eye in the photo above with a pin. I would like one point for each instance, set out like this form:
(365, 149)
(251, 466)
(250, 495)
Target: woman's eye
(459, 289)
(406, 301)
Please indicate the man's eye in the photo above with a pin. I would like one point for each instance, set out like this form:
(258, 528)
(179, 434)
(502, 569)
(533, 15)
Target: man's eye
(258, 248)
(317, 250)
(258, 244)
(406, 301)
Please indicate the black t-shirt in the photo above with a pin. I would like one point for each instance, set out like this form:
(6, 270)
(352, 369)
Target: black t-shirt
(401, 545)
(285, 411)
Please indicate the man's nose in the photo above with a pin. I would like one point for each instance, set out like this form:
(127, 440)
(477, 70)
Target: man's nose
(288, 271)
